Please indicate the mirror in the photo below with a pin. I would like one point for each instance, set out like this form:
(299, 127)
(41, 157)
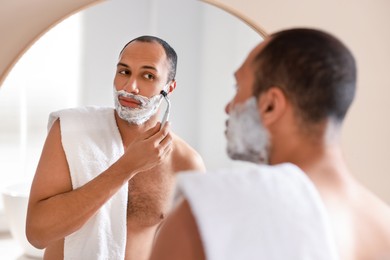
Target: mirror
(74, 64)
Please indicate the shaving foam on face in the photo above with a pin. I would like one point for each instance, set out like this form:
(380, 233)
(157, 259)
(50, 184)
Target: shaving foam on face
(147, 108)
(247, 139)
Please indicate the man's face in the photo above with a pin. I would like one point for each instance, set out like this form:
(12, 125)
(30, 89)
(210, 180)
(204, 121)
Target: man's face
(142, 70)
(247, 138)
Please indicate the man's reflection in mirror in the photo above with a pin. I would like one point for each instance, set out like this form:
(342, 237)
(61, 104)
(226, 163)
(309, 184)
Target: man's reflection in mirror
(106, 175)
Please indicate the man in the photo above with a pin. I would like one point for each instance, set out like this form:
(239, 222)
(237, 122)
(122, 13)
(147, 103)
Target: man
(94, 156)
(293, 92)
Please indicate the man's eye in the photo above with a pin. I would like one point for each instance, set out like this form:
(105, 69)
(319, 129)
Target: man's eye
(124, 72)
(149, 76)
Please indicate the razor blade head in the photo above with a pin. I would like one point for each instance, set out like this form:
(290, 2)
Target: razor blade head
(164, 93)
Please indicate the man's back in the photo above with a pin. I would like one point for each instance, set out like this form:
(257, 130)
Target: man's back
(360, 220)
(371, 218)
(360, 223)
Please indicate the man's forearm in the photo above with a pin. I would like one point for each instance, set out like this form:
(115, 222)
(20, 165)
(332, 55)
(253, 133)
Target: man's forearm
(54, 218)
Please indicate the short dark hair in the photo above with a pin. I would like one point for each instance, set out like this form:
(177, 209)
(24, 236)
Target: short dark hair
(169, 51)
(315, 70)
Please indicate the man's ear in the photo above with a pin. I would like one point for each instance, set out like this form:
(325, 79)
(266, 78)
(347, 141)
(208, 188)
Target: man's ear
(272, 105)
(172, 86)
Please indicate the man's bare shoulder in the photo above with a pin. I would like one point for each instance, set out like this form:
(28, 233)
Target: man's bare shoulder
(376, 212)
(186, 157)
(360, 220)
(372, 224)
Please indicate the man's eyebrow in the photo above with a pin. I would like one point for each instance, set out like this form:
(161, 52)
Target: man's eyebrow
(149, 67)
(122, 64)
(144, 67)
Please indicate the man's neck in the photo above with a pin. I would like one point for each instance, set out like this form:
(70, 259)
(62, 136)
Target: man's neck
(130, 131)
(320, 158)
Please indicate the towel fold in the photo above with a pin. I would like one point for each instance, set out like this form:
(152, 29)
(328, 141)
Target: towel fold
(92, 142)
(264, 212)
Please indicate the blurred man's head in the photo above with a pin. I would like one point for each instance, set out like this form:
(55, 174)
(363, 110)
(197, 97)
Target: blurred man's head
(307, 71)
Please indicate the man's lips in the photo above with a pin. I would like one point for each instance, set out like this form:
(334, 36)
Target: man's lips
(129, 102)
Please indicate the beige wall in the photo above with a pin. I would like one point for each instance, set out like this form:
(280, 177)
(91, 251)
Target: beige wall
(364, 26)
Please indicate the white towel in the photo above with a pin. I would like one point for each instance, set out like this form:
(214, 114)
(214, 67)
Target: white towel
(266, 212)
(92, 142)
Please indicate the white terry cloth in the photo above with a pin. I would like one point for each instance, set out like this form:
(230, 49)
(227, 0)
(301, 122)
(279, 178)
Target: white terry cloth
(92, 142)
(267, 212)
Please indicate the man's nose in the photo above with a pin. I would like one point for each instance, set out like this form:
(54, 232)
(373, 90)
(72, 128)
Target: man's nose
(131, 86)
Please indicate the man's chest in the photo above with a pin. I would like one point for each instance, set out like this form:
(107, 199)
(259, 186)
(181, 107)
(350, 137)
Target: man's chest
(149, 195)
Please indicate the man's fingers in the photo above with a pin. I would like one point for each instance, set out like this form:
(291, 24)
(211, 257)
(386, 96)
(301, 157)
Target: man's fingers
(162, 142)
(152, 131)
(159, 140)
(161, 135)
(166, 145)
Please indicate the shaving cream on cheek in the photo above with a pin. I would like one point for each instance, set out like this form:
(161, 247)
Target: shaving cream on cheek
(247, 139)
(147, 108)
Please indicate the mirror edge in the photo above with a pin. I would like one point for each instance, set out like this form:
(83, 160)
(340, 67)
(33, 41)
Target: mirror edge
(239, 15)
(27, 46)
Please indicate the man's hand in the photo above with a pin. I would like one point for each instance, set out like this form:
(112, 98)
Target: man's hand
(148, 150)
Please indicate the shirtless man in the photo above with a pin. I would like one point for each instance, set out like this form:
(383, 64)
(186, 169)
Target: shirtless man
(303, 82)
(148, 163)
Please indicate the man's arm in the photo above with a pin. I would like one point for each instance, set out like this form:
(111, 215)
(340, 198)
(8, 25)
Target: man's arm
(55, 210)
(179, 237)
